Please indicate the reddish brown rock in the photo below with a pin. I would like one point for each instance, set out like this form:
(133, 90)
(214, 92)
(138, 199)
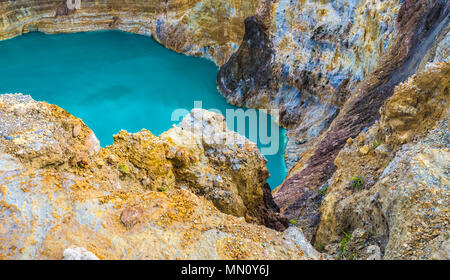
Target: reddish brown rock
(130, 216)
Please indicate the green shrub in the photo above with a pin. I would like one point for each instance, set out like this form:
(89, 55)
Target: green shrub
(293, 221)
(356, 182)
(344, 241)
(376, 143)
(162, 189)
(123, 168)
(323, 190)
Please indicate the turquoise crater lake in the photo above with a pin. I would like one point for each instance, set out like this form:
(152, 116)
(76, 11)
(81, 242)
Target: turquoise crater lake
(114, 80)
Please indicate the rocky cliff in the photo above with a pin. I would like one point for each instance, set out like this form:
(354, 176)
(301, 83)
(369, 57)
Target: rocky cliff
(316, 52)
(362, 87)
(183, 195)
(390, 193)
(212, 29)
(419, 29)
(329, 67)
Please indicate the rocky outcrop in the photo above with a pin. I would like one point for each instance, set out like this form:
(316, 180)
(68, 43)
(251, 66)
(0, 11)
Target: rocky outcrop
(315, 54)
(390, 191)
(229, 170)
(78, 254)
(181, 195)
(361, 184)
(249, 71)
(212, 29)
(202, 155)
(418, 27)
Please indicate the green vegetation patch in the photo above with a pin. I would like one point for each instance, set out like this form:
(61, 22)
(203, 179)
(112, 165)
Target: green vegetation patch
(124, 168)
(356, 182)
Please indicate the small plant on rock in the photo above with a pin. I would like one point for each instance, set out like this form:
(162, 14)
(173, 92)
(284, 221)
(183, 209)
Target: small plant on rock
(124, 168)
(356, 182)
(293, 221)
(162, 189)
(376, 143)
(323, 190)
(344, 241)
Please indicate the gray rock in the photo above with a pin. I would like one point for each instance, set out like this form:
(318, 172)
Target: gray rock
(383, 149)
(78, 254)
(373, 252)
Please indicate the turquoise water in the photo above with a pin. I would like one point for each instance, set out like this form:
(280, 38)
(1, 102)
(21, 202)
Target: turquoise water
(115, 80)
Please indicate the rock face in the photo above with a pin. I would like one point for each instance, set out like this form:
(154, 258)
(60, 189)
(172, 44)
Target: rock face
(212, 29)
(391, 187)
(315, 54)
(417, 33)
(367, 147)
(181, 195)
(224, 167)
(304, 58)
(329, 67)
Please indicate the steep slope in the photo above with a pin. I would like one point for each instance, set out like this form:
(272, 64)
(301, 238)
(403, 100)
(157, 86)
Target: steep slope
(328, 67)
(419, 25)
(144, 197)
(315, 53)
(391, 188)
(211, 29)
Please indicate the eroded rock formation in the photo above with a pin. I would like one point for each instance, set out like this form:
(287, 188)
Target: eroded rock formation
(329, 68)
(212, 29)
(315, 54)
(181, 195)
(418, 27)
(359, 186)
(416, 35)
(391, 187)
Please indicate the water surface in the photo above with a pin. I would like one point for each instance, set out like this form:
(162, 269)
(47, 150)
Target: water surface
(114, 80)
